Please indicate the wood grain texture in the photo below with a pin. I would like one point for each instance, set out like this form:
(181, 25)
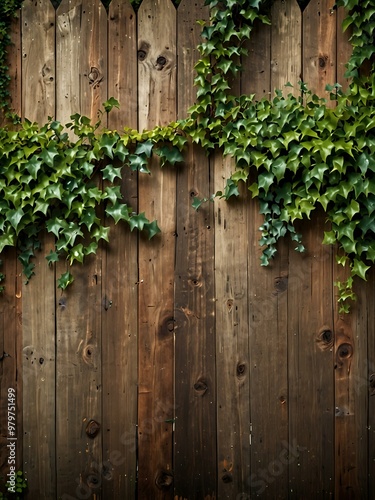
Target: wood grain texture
(79, 383)
(286, 42)
(157, 195)
(369, 381)
(120, 279)
(81, 58)
(38, 60)
(344, 49)
(310, 360)
(319, 47)
(256, 66)
(232, 338)
(11, 358)
(39, 372)
(195, 409)
(122, 64)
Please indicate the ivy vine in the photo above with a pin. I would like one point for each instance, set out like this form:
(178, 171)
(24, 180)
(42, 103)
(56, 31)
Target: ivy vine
(302, 153)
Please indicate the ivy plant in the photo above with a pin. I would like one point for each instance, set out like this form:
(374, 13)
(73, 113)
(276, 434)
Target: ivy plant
(299, 152)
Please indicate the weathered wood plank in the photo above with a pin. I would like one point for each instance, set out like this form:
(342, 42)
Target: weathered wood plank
(78, 387)
(122, 64)
(286, 43)
(38, 60)
(268, 299)
(120, 278)
(195, 414)
(310, 360)
(319, 47)
(81, 86)
(351, 398)
(81, 58)
(157, 192)
(10, 364)
(256, 76)
(39, 370)
(14, 72)
(369, 381)
(344, 49)
(232, 338)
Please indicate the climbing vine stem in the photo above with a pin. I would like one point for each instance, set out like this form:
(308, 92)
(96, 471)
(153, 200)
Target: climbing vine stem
(300, 153)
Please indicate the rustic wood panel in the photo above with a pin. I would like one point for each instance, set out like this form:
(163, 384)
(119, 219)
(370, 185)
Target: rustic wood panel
(81, 49)
(232, 338)
(81, 58)
(351, 398)
(195, 413)
(39, 398)
(120, 278)
(310, 361)
(286, 43)
(157, 195)
(319, 47)
(256, 77)
(38, 60)
(10, 361)
(369, 381)
(344, 49)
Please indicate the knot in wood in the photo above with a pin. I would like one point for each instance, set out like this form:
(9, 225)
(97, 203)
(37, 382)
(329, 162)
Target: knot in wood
(325, 338)
(241, 369)
(92, 428)
(161, 61)
(95, 78)
(164, 480)
(141, 55)
(345, 351)
(281, 283)
(200, 387)
(93, 481)
(227, 477)
(323, 61)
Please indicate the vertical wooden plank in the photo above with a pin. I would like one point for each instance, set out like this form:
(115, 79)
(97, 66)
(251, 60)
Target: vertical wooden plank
(369, 382)
(122, 64)
(344, 49)
(195, 415)
(38, 60)
(351, 397)
(10, 366)
(120, 277)
(157, 193)
(14, 65)
(310, 374)
(256, 66)
(38, 325)
(319, 46)
(286, 42)
(232, 338)
(38, 309)
(81, 58)
(81, 86)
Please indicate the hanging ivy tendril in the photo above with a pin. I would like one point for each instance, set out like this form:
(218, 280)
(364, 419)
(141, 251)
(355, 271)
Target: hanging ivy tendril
(300, 154)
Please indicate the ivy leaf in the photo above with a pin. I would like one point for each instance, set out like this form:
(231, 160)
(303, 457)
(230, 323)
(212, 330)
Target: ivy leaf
(231, 189)
(169, 155)
(119, 211)
(110, 104)
(33, 166)
(139, 163)
(65, 280)
(152, 228)
(55, 225)
(52, 257)
(138, 221)
(101, 233)
(76, 253)
(110, 173)
(360, 269)
(15, 217)
(48, 155)
(144, 148)
(106, 144)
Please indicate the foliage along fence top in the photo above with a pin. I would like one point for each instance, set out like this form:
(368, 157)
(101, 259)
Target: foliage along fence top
(297, 153)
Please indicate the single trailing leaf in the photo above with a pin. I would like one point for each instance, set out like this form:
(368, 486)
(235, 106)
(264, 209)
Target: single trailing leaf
(119, 211)
(65, 280)
(138, 221)
(152, 229)
(111, 173)
(52, 257)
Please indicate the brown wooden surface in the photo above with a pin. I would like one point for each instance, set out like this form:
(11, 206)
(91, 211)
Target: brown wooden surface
(208, 375)
(319, 47)
(81, 56)
(195, 409)
(120, 280)
(38, 60)
(157, 194)
(286, 43)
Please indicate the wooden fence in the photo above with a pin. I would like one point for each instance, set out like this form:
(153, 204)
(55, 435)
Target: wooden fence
(179, 368)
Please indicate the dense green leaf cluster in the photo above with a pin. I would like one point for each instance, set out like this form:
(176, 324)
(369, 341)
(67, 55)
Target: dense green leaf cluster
(51, 182)
(299, 152)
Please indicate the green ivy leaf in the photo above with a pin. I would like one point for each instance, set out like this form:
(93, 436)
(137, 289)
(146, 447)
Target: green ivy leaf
(65, 280)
